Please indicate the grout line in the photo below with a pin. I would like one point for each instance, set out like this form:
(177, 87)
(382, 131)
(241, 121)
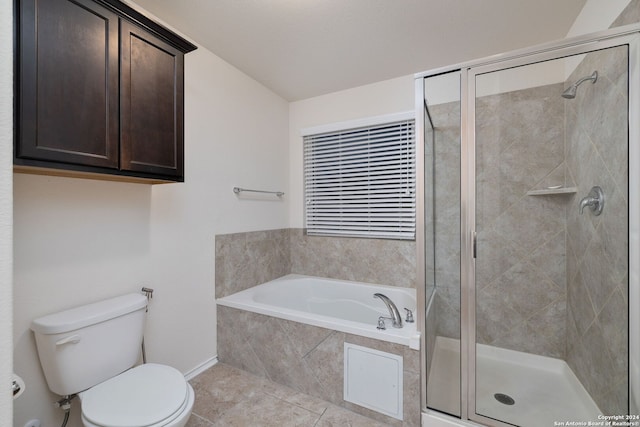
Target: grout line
(293, 393)
(193, 414)
(261, 380)
(318, 344)
(320, 417)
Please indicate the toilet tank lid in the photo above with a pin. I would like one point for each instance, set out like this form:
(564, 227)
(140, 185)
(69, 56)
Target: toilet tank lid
(86, 315)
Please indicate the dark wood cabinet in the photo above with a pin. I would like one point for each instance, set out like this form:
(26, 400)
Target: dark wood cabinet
(152, 96)
(100, 90)
(69, 83)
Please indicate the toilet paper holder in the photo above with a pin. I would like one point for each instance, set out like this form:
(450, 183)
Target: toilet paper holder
(17, 386)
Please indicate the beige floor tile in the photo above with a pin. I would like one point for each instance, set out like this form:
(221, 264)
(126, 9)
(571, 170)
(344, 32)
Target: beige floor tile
(263, 410)
(335, 416)
(196, 421)
(220, 389)
(227, 396)
(310, 403)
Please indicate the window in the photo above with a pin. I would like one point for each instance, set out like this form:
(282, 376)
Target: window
(361, 182)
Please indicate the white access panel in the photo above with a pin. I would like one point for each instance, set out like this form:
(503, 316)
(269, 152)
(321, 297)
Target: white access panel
(373, 379)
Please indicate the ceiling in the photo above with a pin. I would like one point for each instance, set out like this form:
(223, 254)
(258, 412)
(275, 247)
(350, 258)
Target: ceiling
(305, 48)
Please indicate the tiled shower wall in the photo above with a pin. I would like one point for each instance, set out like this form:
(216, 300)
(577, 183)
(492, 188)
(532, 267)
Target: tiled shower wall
(597, 246)
(446, 118)
(520, 264)
(513, 255)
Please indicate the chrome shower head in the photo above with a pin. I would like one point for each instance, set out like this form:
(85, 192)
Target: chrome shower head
(570, 93)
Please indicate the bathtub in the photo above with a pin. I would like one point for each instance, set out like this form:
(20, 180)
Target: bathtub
(333, 304)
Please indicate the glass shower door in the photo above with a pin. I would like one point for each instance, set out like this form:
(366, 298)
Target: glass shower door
(442, 205)
(551, 258)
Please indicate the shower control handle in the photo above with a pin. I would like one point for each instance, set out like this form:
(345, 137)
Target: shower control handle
(594, 200)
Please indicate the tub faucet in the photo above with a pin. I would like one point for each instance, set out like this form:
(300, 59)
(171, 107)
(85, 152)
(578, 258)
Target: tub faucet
(396, 320)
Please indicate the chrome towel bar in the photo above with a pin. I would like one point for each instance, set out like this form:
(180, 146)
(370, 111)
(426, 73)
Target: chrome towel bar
(239, 190)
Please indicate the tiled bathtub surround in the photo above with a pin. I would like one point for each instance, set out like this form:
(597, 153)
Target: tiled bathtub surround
(379, 261)
(303, 357)
(248, 259)
(307, 358)
(244, 260)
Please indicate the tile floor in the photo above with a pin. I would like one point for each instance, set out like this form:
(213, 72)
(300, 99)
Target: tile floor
(227, 396)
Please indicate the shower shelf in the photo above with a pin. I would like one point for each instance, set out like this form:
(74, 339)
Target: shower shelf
(552, 191)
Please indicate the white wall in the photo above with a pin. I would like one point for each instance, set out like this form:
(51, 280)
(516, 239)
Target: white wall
(236, 130)
(78, 241)
(6, 208)
(596, 15)
(386, 97)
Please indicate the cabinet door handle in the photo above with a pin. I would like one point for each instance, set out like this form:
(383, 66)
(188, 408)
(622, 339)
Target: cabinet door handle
(73, 339)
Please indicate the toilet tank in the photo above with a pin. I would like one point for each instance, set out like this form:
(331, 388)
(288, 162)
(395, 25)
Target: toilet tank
(86, 345)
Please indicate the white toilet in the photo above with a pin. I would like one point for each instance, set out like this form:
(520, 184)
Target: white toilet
(91, 350)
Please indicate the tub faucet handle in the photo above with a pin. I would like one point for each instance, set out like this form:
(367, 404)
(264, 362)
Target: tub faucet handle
(381, 325)
(409, 318)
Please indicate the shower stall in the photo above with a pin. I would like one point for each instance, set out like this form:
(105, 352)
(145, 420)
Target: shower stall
(528, 235)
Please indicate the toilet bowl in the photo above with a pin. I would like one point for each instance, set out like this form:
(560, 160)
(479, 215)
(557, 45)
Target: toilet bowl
(148, 395)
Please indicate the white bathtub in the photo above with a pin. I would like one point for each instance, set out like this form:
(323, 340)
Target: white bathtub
(333, 304)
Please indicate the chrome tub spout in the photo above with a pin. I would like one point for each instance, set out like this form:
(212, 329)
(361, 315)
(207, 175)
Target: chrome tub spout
(396, 319)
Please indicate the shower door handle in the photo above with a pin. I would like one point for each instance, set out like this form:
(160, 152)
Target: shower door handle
(474, 243)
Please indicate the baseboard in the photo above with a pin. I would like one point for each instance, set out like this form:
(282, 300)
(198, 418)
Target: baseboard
(201, 368)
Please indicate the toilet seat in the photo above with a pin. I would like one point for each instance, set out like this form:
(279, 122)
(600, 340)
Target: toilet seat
(149, 395)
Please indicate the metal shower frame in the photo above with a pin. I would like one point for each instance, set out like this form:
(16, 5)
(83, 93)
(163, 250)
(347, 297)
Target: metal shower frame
(627, 35)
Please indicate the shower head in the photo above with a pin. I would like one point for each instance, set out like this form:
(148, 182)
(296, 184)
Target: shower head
(570, 93)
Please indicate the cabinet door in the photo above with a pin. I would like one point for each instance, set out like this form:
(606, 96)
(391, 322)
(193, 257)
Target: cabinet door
(68, 80)
(152, 86)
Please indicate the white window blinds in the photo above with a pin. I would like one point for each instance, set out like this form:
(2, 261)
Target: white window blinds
(361, 182)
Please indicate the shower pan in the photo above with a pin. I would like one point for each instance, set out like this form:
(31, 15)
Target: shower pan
(526, 277)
